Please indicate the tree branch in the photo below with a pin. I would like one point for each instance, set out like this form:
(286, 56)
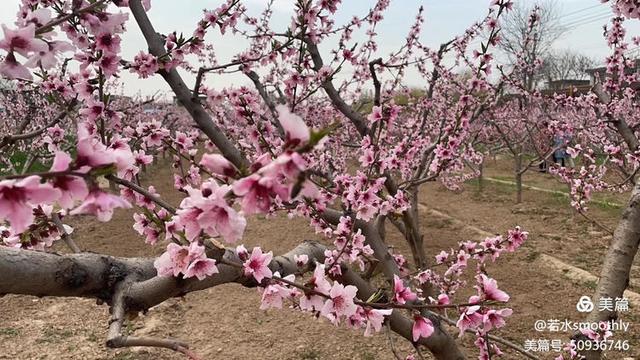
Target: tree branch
(184, 95)
(356, 119)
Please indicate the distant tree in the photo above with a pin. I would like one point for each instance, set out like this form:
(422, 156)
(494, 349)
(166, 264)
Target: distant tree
(566, 64)
(526, 44)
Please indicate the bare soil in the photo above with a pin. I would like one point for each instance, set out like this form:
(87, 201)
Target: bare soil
(225, 322)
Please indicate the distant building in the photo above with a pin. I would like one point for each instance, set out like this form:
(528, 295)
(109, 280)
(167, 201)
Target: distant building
(569, 87)
(598, 74)
(566, 83)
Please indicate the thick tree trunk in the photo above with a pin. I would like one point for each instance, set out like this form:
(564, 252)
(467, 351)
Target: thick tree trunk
(481, 177)
(518, 172)
(614, 276)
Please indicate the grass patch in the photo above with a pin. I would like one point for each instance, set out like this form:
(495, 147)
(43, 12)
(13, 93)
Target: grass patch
(51, 335)
(9, 332)
(308, 354)
(504, 178)
(532, 256)
(591, 284)
(367, 356)
(19, 159)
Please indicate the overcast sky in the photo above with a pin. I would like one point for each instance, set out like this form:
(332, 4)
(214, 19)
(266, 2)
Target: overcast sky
(444, 19)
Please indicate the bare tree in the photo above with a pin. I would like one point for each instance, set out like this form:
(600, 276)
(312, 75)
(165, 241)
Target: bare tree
(566, 64)
(531, 44)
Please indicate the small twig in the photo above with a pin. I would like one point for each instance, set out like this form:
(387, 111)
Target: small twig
(64, 234)
(172, 344)
(596, 222)
(390, 337)
(139, 189)
(376, 82)
(115, 338)
(488, 345)
(499, 340)
(46, 27)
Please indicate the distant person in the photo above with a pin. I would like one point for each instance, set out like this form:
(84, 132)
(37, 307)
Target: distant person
(542, 166)
(560, 155)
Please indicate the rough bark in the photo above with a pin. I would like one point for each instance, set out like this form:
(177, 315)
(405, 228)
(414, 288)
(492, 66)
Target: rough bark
(614, 276)
(90, 275)
(79, 275)
(518, 171)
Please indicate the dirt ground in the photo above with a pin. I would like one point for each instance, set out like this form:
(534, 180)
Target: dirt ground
(226, 323)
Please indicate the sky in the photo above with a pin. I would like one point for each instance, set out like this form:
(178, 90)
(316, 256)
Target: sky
(583, 20)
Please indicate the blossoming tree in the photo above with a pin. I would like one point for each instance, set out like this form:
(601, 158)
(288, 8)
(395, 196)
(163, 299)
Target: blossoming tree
(295, 143)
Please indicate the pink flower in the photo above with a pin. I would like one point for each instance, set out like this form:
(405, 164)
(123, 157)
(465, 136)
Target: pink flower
(470, 318)
(12, 69)
(319, 283)
(91, 152)
(49, 58)
(242, 253)
(443, 299)
(442, 257)
(71, 187)
(375, 318)
(301, 260)
(173, 261)
(190, 261)
(207, 210)
(376, 114)
(101, 204)
(144, 65)
(201, 268)
(258, 265)
(18, 197)
(23, 41)
(340, 302)
(422, 327)
(108, 42)
(495, 318)
(274, 294)
(402, 294)
(489, 288)
(218, 164)
(257, 192)
(296, 131)
(516, 238)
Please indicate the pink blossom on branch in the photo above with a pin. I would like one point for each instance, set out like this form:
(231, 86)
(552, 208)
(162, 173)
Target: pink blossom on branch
(18, 197)
(206, 210)
(340, 302)
(296, 131)
(23, 40)
(71, 187)
(402, 294)
(101, 204)
(257, 265)
(422, 328)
